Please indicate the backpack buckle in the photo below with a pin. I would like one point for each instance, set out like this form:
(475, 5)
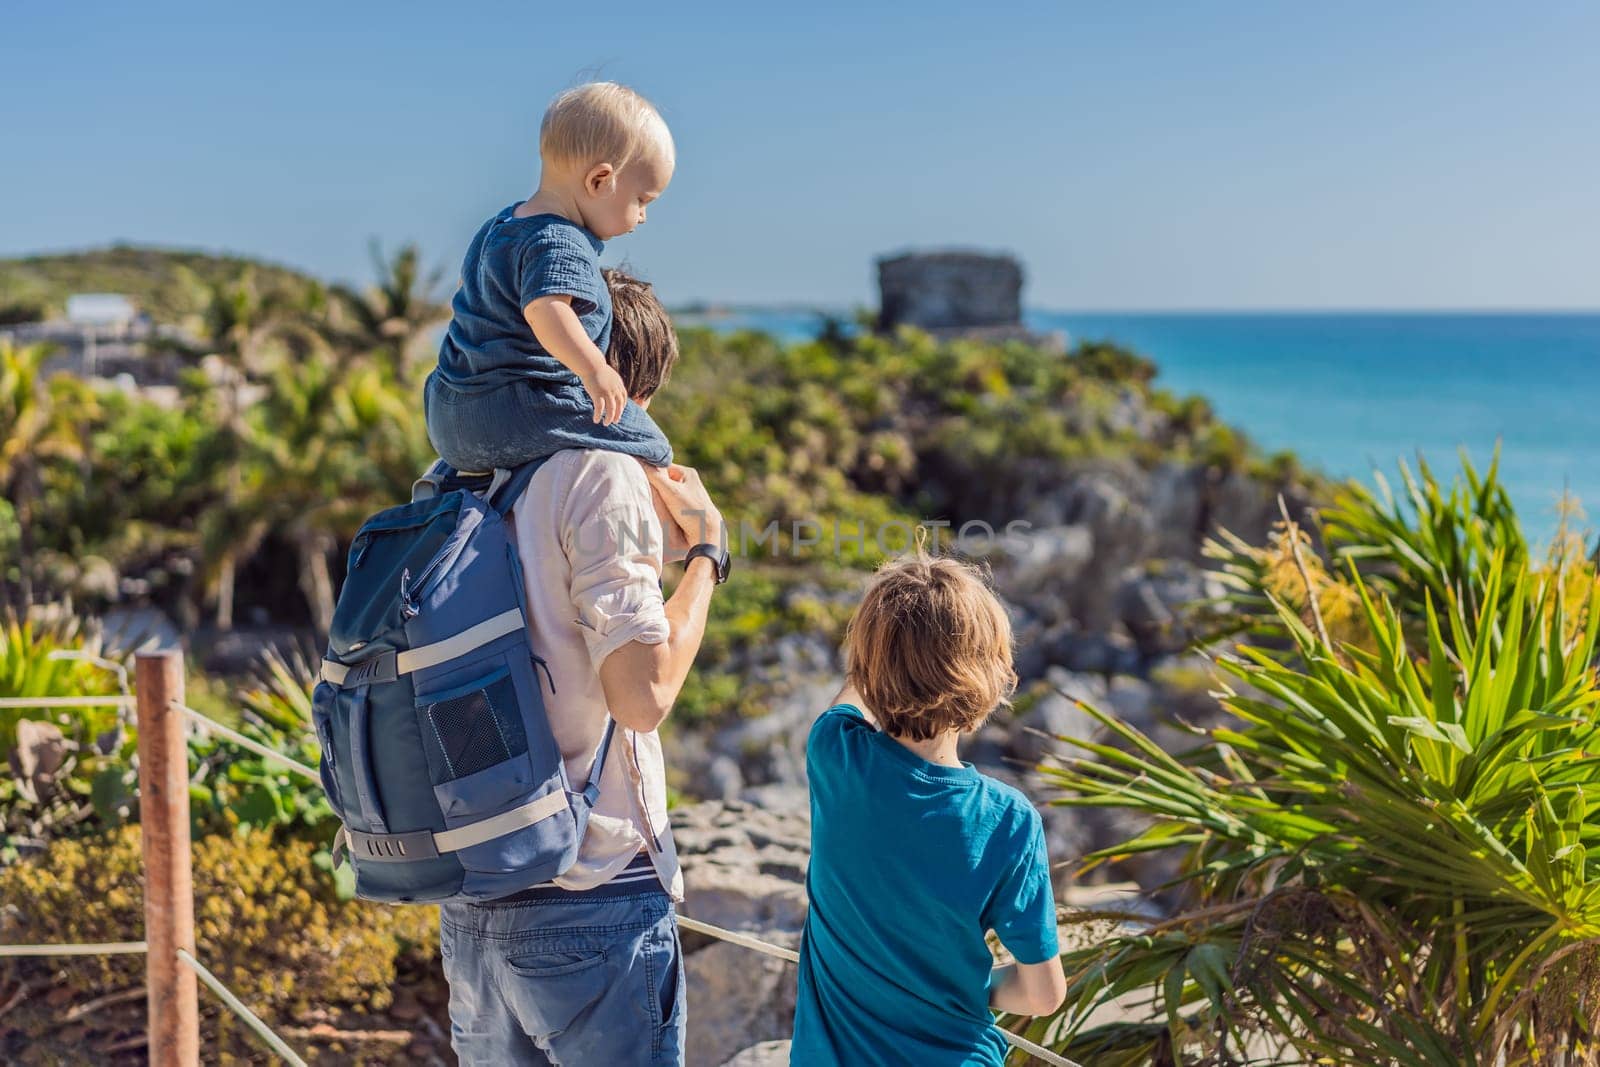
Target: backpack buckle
(340, 847)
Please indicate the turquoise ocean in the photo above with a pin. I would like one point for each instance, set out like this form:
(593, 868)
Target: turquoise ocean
(1351, 392)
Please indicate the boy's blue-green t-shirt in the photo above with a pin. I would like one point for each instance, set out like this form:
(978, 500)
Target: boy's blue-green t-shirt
(911, 863)
(510, 263)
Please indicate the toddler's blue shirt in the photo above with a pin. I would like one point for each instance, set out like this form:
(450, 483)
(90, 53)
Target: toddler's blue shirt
(510, 263)
(911, 862)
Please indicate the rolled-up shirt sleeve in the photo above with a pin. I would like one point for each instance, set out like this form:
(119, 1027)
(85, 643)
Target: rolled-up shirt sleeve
(613, 541)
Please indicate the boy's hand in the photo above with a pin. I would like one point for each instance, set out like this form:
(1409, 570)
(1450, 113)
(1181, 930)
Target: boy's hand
(607, 392)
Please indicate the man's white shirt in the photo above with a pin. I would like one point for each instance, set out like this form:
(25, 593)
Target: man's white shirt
(590, 544)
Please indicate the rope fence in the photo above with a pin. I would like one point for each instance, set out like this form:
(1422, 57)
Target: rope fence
(211, 725)
(65, 702)
(173, 1010)
(262, 1030)
(104, 948)
(766, 948)
(734, 937)
(164, 829)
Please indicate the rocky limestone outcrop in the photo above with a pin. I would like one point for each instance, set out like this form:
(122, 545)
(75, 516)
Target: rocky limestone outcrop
(766, 1054)
(744, 869)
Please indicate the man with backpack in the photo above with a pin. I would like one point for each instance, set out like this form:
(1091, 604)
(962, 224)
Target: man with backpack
(500, 658)
(588, 970)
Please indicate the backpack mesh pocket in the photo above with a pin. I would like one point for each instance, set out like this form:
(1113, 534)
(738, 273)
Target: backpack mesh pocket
(477, 729)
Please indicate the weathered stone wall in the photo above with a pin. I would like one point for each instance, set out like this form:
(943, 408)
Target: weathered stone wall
(944, 291)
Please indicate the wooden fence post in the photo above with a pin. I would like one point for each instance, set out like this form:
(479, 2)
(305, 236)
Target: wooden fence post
(168, 879)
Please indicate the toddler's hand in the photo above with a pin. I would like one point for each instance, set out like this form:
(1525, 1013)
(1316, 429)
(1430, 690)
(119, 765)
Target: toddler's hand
(607, 393)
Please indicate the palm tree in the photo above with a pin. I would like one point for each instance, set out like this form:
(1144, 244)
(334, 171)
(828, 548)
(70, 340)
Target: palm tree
(316, 422)
(394, 318)
(250, 331)
(32, 429)
(329, 442)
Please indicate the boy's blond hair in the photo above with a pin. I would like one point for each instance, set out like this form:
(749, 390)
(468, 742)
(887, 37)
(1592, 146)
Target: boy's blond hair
(602, 122)
(929, 647)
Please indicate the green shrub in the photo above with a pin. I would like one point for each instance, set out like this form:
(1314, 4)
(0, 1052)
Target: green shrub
(1385, 856)
(94, 788)
(267, 922)
(958, 429)
(233, 788)
(51, 655)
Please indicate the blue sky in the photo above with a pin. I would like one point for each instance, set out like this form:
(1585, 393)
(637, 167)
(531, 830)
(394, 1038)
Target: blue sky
(1236, 155)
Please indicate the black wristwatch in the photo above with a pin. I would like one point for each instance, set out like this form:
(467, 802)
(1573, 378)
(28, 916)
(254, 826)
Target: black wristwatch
(717, 554)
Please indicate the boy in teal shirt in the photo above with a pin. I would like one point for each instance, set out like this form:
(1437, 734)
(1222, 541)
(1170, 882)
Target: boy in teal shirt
(915, 855)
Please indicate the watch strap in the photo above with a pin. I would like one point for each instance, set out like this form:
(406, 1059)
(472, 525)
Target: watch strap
(715, 553)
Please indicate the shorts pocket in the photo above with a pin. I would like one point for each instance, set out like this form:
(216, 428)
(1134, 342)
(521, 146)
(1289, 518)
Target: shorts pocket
(553, 964)
(666, 1006)
(549, 989)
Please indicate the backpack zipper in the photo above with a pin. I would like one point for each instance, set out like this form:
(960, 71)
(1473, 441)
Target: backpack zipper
(412, 596)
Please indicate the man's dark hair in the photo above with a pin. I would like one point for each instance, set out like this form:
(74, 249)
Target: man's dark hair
(644, 345)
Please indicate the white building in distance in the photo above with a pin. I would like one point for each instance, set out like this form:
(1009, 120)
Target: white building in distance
(100, 309)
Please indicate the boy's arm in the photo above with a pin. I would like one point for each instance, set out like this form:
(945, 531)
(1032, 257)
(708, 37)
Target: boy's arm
(1028, 988)
(558, 330)
(1022, 912)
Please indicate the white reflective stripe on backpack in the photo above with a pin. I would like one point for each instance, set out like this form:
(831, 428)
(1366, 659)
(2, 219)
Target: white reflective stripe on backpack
(440, 651)
(499, 825)
(494, 826)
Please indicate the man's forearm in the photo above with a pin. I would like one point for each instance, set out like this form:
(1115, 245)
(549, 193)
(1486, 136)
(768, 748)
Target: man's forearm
(641, 681)
(686, 616)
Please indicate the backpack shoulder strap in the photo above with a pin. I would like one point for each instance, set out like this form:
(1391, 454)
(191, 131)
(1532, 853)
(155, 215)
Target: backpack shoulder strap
(591, 787)
(508, 485)
(427, 486)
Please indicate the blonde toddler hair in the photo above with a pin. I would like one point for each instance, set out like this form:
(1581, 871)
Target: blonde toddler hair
(602, 122)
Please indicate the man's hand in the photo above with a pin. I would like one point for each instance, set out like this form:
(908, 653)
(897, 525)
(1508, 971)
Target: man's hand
(691, 518)
(607, 392)
(677, 546)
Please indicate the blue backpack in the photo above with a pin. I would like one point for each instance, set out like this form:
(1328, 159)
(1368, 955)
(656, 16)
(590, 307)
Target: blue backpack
(436, 752)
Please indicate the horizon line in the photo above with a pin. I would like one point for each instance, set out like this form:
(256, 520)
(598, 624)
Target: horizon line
(693, 304)
(713, 306)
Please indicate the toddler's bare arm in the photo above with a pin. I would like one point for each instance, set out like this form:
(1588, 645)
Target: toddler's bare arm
(557, 328)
